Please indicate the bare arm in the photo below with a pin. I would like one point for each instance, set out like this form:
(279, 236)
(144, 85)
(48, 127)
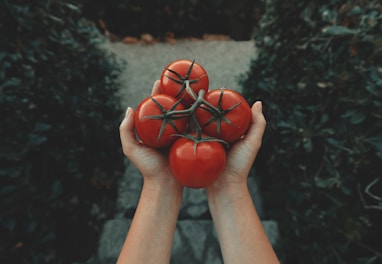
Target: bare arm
(241, 235)
(151, 233)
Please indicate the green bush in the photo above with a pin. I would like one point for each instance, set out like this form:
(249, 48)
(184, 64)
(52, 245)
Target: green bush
(181, 17)
(59, 145)
(318, 71)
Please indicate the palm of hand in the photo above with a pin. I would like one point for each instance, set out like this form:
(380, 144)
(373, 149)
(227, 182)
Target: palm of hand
(242, 154)
(150, 162)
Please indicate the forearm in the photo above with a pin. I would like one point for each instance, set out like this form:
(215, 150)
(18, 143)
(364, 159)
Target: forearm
(241, 234)
(151, 233)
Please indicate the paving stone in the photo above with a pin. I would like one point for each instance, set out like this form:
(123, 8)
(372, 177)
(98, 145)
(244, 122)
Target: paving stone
(195, 242)
(111, 240)
(194, 204)
(253, 186)
(129, 190)
(271, 228)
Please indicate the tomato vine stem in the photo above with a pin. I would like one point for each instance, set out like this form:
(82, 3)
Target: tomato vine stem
(171, 114)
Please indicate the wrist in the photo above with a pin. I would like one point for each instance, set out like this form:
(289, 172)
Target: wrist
(168, 187)
(227, 194)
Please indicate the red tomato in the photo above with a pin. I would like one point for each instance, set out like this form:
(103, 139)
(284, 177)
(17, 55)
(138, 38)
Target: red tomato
(196, 164)
(152, 126)
(231, 121)
(181, 75)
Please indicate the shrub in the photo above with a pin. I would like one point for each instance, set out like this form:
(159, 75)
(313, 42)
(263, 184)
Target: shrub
(182, 18)
(318, 72)
(59, 144)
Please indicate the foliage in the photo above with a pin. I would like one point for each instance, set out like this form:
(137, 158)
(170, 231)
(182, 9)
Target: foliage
(59, 145)
(182, 18)
(318, 71)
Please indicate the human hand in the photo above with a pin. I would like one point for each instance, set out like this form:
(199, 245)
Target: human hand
(238, 226)
(242, 154)
(151, 232)
(152, 163)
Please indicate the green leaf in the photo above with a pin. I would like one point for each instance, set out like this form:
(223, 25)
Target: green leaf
(2, 55)
(72, 7)
(35, 139)
(11, 82)
(31, 226)
(367, 260)
(346, 190)
(338, 30)
(308, 145)
(325, 183)
(56, 188)
(57, 19)
(7, 189)
(357, 118)
(40, 127)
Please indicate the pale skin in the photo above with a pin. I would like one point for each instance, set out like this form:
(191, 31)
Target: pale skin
(241, 235)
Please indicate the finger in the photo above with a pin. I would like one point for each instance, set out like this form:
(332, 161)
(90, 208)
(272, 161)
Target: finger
(256, 130)
(126, 131)
(156, 88)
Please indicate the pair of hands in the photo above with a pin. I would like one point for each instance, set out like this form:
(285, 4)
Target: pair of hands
(239, 228)
(154, 166)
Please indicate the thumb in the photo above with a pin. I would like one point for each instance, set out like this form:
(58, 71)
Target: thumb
(254, 136)
(243, 153)
(126, 131)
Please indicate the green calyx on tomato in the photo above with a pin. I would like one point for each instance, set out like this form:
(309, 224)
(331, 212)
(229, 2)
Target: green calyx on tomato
(224, 114)
(219, 116)
(167, 116)
(158, 118)
(198, 138)
(184, 79)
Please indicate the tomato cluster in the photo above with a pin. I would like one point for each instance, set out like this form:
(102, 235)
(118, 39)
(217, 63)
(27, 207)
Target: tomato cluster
(195, 123)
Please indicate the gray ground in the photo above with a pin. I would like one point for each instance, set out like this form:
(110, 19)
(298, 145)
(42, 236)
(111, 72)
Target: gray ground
(224, 61)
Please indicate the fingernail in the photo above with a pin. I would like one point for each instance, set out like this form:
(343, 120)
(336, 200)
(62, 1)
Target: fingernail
(128, 112)
(259, 106)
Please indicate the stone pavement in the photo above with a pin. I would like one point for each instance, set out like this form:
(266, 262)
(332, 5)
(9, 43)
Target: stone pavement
(195, 239)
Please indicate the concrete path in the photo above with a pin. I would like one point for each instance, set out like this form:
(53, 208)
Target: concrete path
(195, 239)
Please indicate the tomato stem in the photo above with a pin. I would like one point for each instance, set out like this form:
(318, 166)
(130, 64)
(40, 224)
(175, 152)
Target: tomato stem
(189, 90)
(184, 81)
(171, 114)
(198, 127)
